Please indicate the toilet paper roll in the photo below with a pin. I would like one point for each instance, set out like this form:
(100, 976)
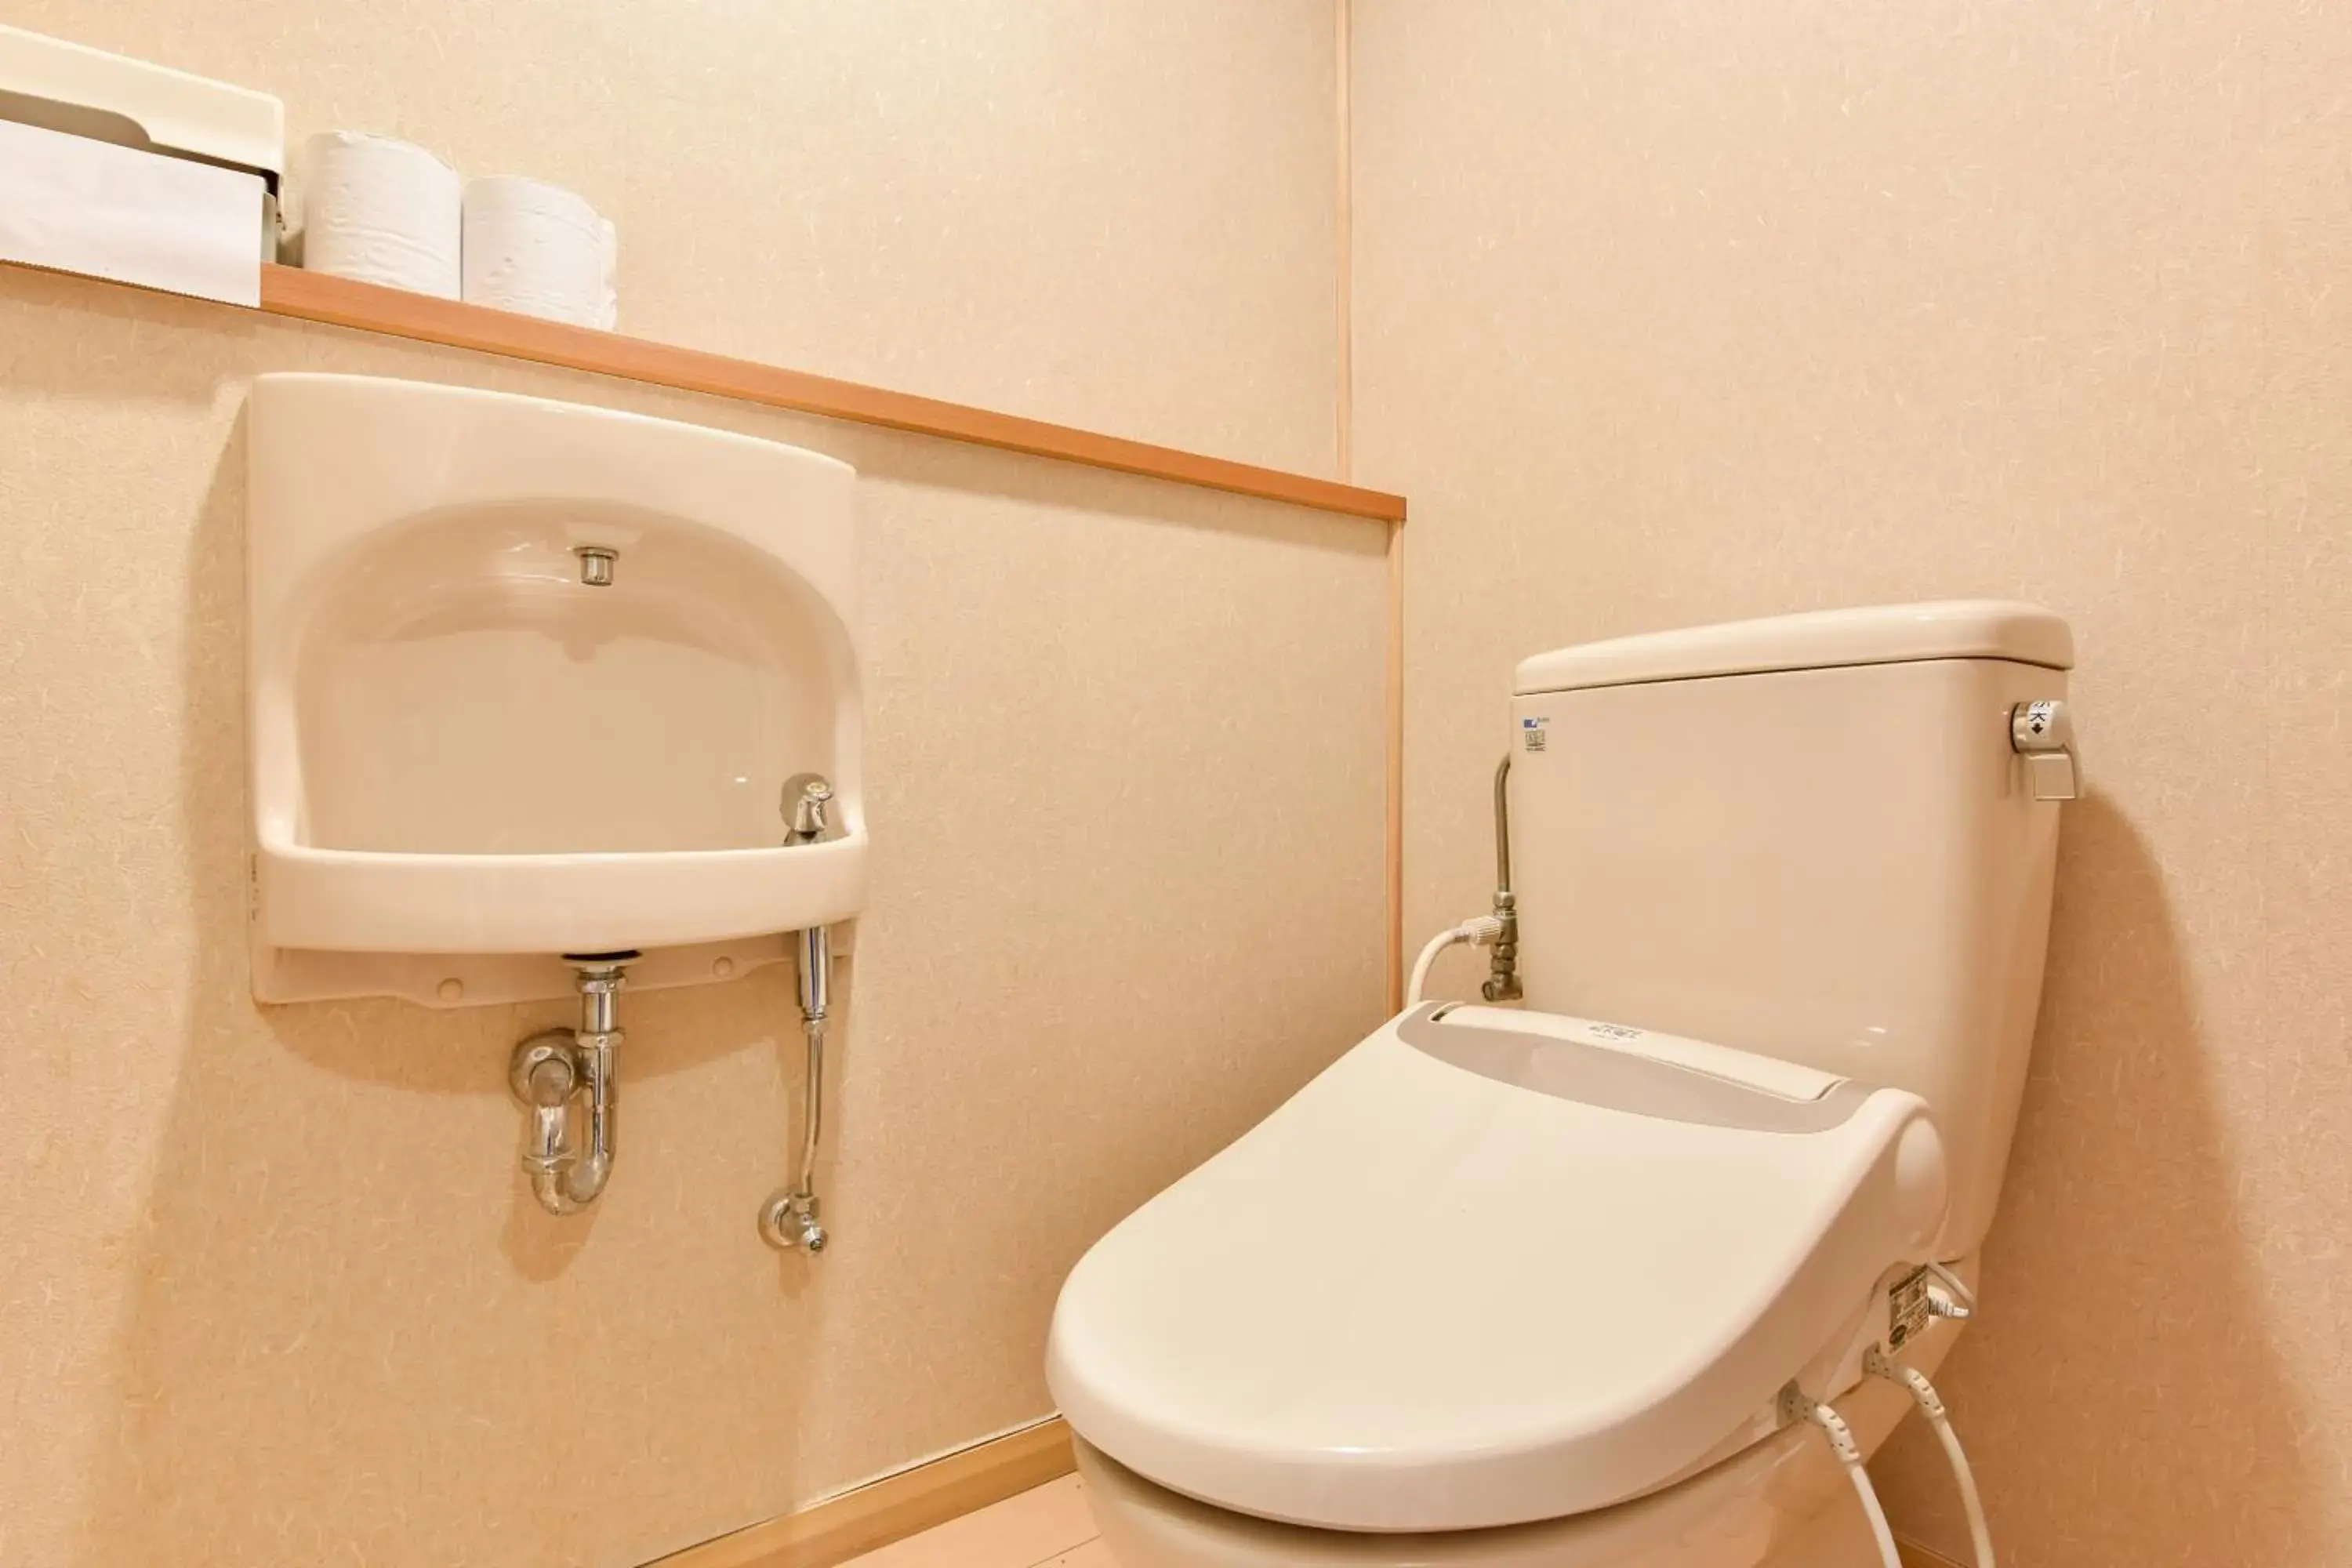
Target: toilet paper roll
(540, 250)
(381, 211)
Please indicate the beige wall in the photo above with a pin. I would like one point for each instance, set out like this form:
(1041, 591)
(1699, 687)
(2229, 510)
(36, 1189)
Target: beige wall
(1673, 313)
(273, 1294)
(1116, 216)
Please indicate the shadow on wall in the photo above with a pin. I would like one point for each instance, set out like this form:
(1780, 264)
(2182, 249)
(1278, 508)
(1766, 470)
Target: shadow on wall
(2119, 1398)
(352, 1334)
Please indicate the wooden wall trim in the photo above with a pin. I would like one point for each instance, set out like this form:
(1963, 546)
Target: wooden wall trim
(1343, 137)
(339, 302)
(1915, 1555)
(839, 1528)
(1343, 234)
(1394, 762)
(832, 1531)
(302, 296)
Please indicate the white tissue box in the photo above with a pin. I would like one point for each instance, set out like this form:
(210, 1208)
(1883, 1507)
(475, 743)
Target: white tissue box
(163, 223)
(134, 171)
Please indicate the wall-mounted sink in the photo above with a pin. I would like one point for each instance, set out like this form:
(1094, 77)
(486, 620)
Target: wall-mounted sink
(526, 679)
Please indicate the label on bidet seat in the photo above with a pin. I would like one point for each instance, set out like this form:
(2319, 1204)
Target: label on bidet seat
(1906, 1310)
(1535, 731)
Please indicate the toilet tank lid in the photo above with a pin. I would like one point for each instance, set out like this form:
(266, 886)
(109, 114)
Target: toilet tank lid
(1820, 639)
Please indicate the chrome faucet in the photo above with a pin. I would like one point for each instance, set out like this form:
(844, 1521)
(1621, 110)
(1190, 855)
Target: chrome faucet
(808, 798)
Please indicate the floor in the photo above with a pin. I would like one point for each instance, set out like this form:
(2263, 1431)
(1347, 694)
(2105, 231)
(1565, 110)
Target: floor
(1051, 1528)
(1048, 1527)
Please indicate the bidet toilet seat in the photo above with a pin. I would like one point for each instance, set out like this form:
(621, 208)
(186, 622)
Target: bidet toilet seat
(1757, 1505)
(1491, 1267)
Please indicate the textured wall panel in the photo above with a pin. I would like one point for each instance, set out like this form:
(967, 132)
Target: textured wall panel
(274, 1292)
(1674, 314)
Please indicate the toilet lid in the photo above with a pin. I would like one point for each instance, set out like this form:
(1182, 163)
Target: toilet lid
(1492, 1267)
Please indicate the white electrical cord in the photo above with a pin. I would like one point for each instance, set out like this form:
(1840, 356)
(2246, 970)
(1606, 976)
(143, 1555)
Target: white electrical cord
(1480, 930)
(1959, 1295)
(1931, 1405)
(1797, 1406)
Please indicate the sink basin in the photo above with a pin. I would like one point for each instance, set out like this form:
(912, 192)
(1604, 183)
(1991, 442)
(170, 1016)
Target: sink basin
(527, 678)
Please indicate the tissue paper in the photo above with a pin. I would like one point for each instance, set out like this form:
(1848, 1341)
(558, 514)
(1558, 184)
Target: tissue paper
(540, 250)
(380, 211)
(114, 212)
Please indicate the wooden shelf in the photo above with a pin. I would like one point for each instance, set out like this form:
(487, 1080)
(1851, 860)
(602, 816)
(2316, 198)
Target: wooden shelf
(339, 302)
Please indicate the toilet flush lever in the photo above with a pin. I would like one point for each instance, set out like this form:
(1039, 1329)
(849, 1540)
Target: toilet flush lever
(2044, 734)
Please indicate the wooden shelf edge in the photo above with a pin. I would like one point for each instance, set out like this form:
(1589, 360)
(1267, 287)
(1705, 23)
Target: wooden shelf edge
(302, 296)
(339, 302)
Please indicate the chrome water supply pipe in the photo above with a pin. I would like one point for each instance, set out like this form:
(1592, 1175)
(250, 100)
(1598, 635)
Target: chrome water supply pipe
(1503, 968)
(1499, 931)
(551, 1070)
(788, 1220)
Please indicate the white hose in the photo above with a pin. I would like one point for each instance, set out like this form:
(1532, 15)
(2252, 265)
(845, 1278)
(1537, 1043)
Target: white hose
(1437, 944)
(1979, 1532)
(1877, 1516)
(1795, 1405)
(1482, 930)
(1931, 1405)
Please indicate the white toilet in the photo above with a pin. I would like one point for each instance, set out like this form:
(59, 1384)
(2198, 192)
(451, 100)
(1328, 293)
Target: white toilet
(1512, 1286)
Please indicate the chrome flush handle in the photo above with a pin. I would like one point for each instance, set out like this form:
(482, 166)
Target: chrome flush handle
(2044, 734)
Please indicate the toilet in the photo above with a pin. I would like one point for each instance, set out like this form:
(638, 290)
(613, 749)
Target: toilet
(1534, 1283)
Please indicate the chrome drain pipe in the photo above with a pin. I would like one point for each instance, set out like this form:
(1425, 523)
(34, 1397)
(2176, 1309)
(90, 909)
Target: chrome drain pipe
(552, 1069)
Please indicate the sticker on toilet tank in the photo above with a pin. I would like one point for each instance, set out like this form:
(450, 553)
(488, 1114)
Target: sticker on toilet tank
(1533, 732)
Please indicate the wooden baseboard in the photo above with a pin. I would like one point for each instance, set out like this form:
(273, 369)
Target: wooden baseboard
(1918, 1556)
(866, 1517)
(840, 1528)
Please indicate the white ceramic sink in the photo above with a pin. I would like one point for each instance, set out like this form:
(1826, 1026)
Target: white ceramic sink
(461, 747)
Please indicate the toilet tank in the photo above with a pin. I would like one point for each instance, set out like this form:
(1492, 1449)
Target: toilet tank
(1807, 836)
